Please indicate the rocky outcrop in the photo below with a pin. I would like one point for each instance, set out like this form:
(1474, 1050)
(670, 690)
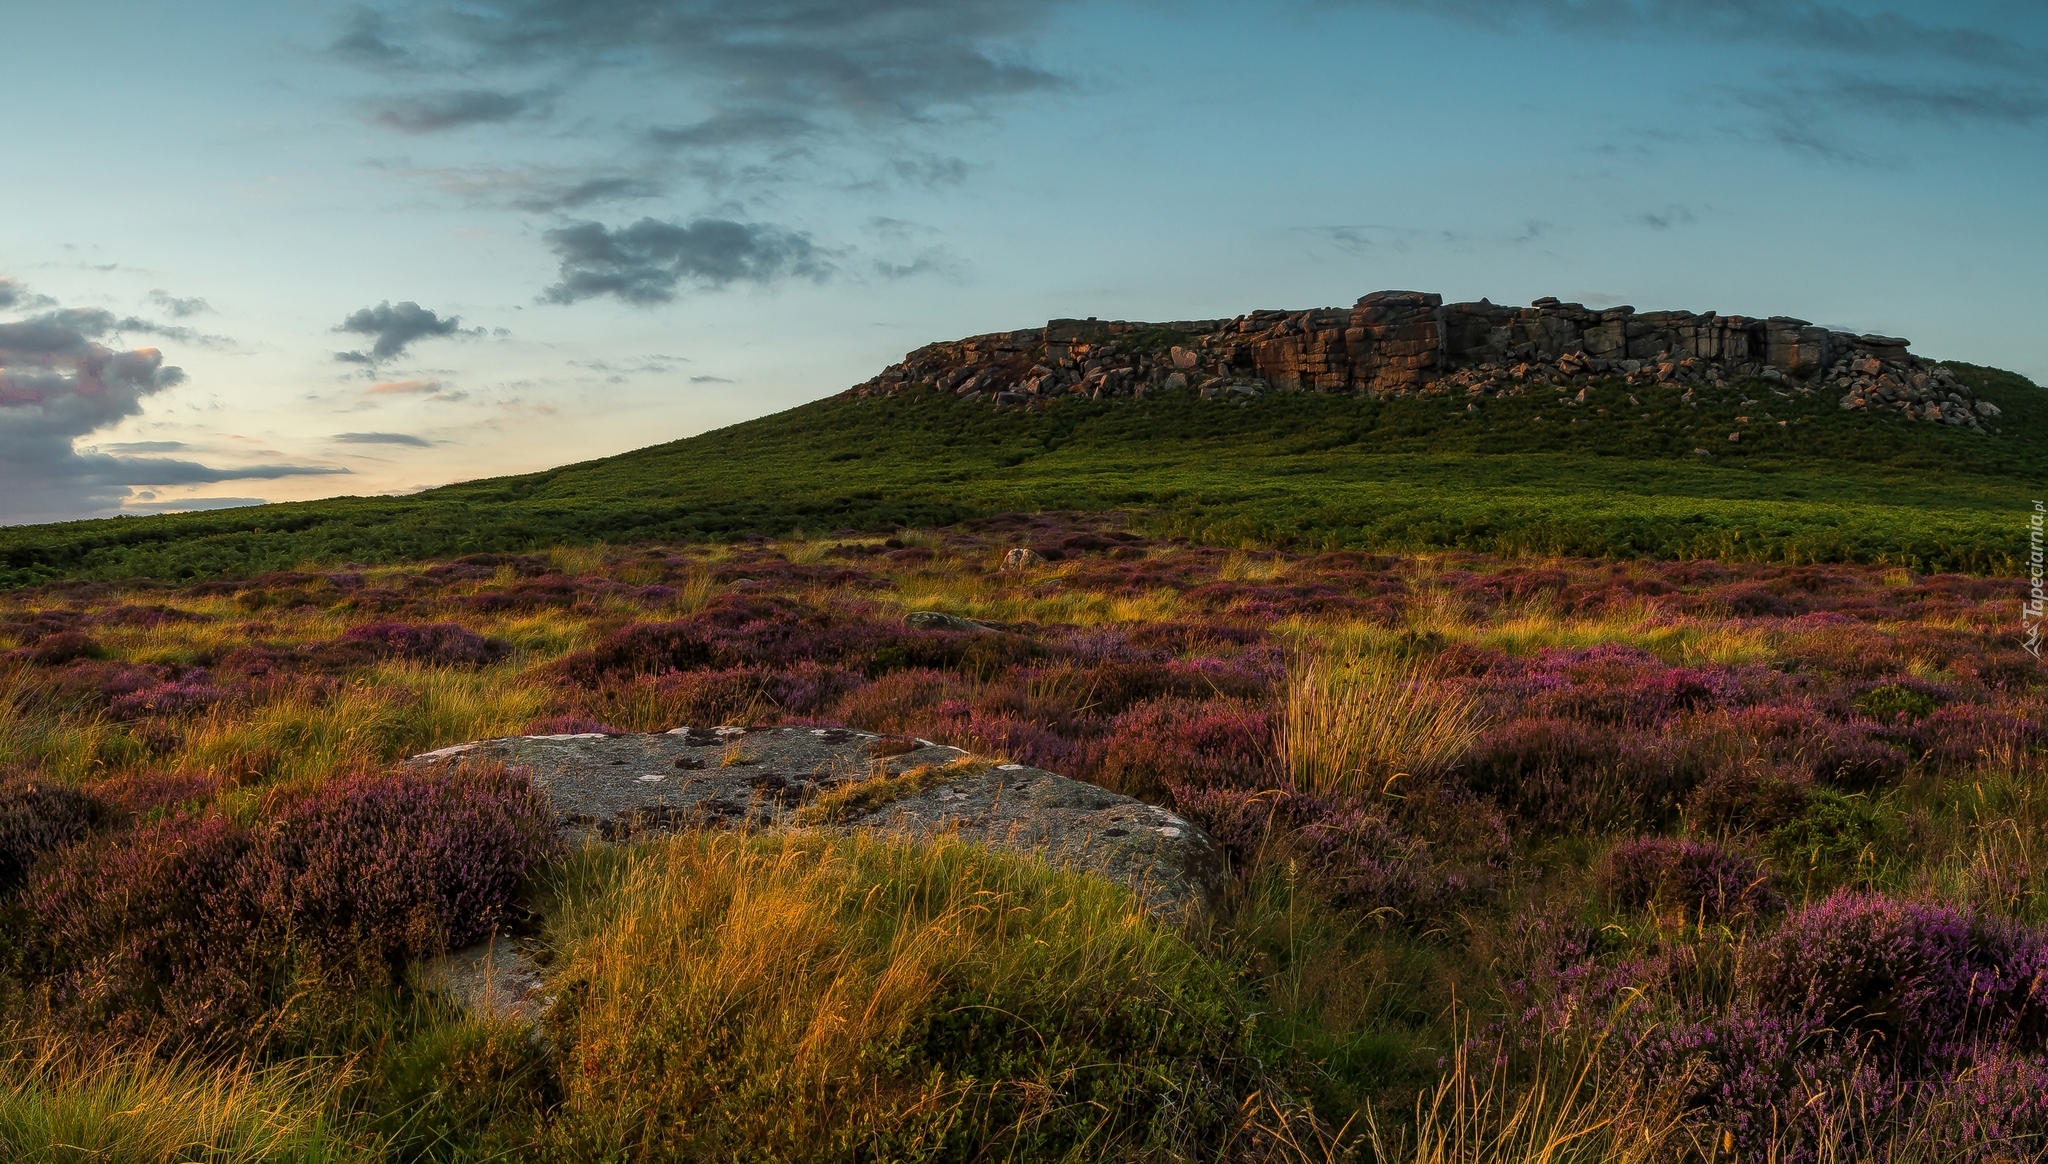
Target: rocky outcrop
(616, 787)
(1399, 343)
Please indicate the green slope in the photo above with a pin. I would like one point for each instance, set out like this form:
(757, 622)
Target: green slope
(1525, 474)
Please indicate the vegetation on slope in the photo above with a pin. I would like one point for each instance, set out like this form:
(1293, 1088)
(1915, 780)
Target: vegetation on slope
(1741, 857)
(1530, 474)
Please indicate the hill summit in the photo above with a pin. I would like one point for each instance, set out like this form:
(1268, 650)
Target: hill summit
(1403, 343)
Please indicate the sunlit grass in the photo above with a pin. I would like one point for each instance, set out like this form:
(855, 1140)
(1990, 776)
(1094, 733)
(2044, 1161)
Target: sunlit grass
(61, 1106)
(1356, 723)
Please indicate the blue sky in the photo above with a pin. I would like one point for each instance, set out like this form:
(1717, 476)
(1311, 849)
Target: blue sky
(297, 249)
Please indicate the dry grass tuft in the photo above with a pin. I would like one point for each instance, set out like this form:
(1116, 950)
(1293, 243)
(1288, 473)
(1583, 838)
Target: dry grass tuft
(135, 1107)
(1353, 723)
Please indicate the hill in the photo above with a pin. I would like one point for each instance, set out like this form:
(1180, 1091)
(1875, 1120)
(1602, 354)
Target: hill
(1732, 459)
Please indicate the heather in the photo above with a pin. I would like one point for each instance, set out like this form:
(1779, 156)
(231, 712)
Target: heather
(1669, 859)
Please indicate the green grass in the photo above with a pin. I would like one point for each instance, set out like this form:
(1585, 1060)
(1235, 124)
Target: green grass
(1530, 474)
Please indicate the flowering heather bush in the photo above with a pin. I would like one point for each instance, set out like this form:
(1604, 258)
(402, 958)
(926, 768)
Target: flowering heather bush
(1189, 744)
(36, 818)
(1702, 879)
(55, 650)
(1994, 1109)
(411, 861)
(165, 922)
(194, 691)
(197, 920)
(146, 792)
(441, 644)
(1922, 977)
(1748, 798)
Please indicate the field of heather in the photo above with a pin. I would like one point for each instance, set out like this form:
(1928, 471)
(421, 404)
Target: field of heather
(1532, 860)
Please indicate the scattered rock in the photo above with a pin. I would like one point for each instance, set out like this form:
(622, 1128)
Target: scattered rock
(1022, 558)
(940, 621)
(499, 979)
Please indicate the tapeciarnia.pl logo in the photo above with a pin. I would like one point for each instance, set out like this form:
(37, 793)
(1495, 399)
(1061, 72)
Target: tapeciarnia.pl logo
(2031, 607)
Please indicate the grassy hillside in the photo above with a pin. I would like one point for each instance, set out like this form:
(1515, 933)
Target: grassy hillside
(1528, 474)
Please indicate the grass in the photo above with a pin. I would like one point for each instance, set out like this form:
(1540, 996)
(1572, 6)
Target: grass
(1523, 475)
(818, 999)
(62, 1106)
(1357, 724)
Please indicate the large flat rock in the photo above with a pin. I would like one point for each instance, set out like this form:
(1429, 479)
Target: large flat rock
(616, 787)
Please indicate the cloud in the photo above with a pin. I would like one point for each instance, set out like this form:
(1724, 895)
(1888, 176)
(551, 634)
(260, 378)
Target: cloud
(758, 60)
(1805, 26)
(455, 108)
(395, 328)
(1951, 103)
(15, 293)
(190, 505)
(709, 380)
(384, 438)
(367, 41)
(738, 127)
(578, 194)
(647, 261)
(146, 447)
(405, 388)
(58, 383)
(1668, 217)
(176, 307)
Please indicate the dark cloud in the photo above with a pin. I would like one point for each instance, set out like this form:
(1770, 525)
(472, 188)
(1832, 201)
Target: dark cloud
(1805, 26)
(2016, 105)
(647, 261)
(58, 383)
(367, 41)
(395, 328)
(930, 170)
(744, 127)
(575, 195)
(877, 59)
(455, 108)
(384, 438)
(709, 380)
(15, 294)
(145, 447)
(178, 308)
(1666, 218)
(191, 504)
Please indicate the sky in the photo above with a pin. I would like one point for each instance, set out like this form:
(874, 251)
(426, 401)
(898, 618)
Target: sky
(295, 249)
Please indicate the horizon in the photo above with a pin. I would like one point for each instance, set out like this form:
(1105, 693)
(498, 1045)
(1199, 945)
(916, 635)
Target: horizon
(283, 254)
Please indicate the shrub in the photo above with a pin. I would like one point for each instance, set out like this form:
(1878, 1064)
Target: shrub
(412, 861)
(439, 644)
(1186, 743)
(1921, 978)
(55, 650)
(1895, 701)
(200, 922)
(1703, 880)
(37, 817)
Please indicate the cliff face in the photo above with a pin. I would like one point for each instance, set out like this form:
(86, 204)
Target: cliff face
(1398, 343)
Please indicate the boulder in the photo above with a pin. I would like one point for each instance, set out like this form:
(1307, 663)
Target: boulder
(1022, 558)
(941, 621)
(618, 787)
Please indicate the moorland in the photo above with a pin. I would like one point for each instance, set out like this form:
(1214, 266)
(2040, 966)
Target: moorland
(1586, 797)
(1736, 856)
